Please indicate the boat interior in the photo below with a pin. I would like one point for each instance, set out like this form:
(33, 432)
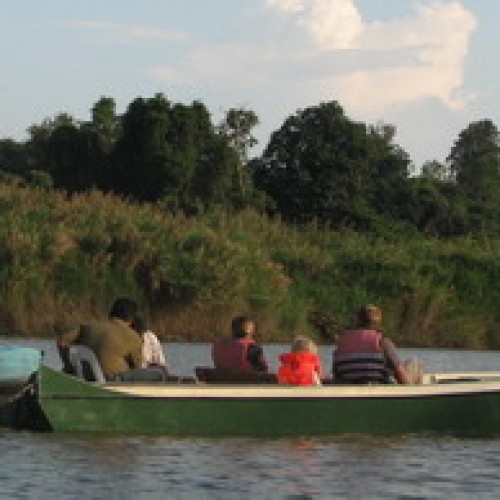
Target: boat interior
(87, 367)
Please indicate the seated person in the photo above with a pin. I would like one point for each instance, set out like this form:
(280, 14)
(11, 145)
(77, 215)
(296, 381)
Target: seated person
(117, 347)
(363, 355)
(240, 352)
(301, 366)
(152, 350)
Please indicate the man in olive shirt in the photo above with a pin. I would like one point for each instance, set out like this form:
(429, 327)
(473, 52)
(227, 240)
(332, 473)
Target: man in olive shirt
(117, 347)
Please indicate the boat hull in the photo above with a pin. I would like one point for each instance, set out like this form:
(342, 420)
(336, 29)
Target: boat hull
(69, 404)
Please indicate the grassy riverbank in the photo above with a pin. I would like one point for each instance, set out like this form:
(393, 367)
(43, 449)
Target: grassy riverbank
(65, 258)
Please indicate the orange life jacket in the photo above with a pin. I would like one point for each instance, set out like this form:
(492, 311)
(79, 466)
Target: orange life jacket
(299, 368)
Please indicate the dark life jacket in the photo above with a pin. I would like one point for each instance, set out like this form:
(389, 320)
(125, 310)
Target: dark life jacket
(360, 359)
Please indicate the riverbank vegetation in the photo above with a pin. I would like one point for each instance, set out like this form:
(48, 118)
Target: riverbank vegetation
(66, 257)
(161, 205)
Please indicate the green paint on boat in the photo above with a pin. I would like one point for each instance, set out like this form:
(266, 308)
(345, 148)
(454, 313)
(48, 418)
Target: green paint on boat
(73, 405)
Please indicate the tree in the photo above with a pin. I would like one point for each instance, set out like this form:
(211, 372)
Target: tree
(13, 156)
(142, 158)
(237, 127)
(434, 207)
(475, 162)
(172, 152)
(105, 122)
(39, 137)
(322, 165)
(391, 166)
(434, 169)
(73, 157)
(72, 153)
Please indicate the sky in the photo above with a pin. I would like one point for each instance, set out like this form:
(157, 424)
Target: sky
(428, 67)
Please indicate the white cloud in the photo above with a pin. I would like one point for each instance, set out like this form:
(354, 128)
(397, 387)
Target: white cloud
(430, 49)
(332, 23)
(287, 6)
(225, 65)
(371, 68)
(115, 32)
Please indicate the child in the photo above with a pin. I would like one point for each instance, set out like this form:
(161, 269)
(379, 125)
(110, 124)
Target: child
(301, 366)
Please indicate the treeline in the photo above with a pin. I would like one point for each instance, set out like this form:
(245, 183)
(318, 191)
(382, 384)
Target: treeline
(165, 206)
(318, 166)
(156, 151)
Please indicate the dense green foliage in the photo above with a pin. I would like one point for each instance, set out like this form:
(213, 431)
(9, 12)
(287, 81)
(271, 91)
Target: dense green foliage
(318, 166)
(328, 217)
(155, 151)
(65, 258)
(322, 165)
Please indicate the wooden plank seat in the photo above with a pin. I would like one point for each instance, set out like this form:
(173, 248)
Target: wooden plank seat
(221, 376)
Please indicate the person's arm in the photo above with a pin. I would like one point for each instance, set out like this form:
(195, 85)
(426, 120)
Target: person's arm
(255, 357)
(135, 356)
(394, 361)
(64, 342)
(317, 366)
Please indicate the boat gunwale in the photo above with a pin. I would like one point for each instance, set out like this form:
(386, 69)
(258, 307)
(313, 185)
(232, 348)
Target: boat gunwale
(444, 384)
(270, 391)
(298, 392)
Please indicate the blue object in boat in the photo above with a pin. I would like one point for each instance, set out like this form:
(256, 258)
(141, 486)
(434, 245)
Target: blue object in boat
(18, 362)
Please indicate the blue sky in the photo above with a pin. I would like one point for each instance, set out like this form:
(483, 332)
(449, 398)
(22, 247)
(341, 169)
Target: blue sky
(428, 67)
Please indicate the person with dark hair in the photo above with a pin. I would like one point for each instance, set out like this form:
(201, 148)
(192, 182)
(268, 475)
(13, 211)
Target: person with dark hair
(117, 346)
(152, 351)
(124, 309)
(240, 352)
(363, 355)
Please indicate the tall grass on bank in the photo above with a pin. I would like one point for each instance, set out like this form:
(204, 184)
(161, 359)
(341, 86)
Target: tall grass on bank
(65, 258)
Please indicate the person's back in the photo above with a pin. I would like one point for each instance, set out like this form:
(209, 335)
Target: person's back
(117, 347)
(301, 366)
(240, 352)
(231, 354)
(359, 357)
(363, 355)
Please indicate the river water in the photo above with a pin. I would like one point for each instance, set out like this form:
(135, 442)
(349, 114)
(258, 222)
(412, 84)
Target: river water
(84, 466)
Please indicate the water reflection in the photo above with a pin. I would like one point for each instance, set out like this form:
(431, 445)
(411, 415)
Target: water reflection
(70, 466)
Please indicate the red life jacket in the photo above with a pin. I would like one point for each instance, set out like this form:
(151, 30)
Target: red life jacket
(299, 368)
(360, 358)
(359, 341)
(231, 354)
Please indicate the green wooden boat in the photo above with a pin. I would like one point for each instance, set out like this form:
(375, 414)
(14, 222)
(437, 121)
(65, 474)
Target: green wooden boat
(459, 404)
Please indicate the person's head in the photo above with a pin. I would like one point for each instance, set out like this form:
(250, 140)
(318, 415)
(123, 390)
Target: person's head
(242, 326)
(139, 324)
(368, 316)
(124, 309)
(301, 343)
